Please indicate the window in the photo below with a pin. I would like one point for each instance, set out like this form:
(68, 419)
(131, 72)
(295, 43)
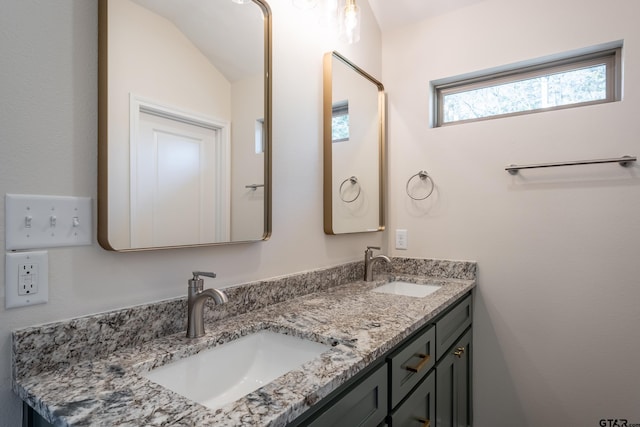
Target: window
(260, 136)
(571, 82)
(340, 121)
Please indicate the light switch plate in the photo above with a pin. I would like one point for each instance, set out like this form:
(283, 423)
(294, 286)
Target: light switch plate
(401, 239)
(47, 221)
(26, 278)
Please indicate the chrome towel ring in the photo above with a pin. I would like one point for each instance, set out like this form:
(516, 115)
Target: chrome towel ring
(354, 181)
(424, 176)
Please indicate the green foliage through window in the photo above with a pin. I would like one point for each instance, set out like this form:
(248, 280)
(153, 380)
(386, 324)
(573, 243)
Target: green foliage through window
(340, 121)
(572, 82)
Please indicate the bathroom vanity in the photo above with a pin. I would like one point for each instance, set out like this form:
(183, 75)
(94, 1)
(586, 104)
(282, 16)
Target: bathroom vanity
(390, 359)
(401, 388)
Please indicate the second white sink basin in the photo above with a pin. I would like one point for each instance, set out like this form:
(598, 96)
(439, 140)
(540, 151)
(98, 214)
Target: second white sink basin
(228, 372)
(407, 289)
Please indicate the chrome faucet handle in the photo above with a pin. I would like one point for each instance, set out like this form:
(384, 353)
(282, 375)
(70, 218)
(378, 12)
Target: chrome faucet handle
(373, 247)
(203, 273)
(197, 283)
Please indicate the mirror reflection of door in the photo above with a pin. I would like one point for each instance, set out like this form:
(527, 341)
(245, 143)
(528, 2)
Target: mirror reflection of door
(208, 59)
(175, 181)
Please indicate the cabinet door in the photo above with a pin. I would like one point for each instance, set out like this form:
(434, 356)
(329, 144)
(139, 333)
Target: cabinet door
(365, 405)
(30, 418)
(410, 364)
(453, 385)
(420, 407)
(452, 325)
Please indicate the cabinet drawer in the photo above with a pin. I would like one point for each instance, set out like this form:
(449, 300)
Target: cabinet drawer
(364, 405)
(419, 409)
(452, 325)
(410, 364)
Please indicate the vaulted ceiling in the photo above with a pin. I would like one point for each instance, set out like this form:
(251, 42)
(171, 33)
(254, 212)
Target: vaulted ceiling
(394, 13)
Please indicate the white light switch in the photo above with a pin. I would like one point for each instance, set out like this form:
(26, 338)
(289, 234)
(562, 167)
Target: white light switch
(47, 221)
(401, 239)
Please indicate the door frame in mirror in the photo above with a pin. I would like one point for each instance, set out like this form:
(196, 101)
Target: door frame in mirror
(103, 140)
(328, 143)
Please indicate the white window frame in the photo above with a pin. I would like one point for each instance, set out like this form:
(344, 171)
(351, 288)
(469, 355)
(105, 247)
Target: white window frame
(611, 57)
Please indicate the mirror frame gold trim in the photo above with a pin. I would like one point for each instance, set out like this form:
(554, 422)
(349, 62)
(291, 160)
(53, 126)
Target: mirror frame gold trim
(327, 140)
(103, 140)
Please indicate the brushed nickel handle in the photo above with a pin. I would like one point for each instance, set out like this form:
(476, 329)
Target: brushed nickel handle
(459, 352)
(420, 365)
(425, 422)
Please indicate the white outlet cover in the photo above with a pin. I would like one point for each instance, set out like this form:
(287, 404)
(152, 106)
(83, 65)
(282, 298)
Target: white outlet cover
(47, 221)
(13, 261)
(401, 239)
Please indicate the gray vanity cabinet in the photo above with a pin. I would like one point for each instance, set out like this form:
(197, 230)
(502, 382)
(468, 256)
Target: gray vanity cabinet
(424, 381)
(420, 407)
(410, 364)
(364, 405)
(452, 325)
(453, 385)
(429, 377)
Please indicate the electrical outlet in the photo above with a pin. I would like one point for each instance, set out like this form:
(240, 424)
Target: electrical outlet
(401, 239)
(26, 278)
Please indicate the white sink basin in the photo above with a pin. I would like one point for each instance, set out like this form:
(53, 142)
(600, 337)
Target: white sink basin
(407, 289)
(228, 372)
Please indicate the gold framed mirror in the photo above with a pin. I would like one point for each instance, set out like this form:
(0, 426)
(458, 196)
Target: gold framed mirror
(184, 148)
(354, 148)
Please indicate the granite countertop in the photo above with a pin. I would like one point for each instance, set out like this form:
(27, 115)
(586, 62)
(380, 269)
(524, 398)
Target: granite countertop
(359, 325)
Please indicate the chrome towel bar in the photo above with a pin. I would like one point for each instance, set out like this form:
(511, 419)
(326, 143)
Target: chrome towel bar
(624, 161)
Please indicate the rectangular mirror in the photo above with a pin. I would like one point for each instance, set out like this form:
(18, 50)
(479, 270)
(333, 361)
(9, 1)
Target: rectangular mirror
(184, 144)
(354, 147)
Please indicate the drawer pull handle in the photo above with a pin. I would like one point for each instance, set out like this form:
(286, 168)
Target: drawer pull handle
(459, 352)
(419, 366)
(425, 422)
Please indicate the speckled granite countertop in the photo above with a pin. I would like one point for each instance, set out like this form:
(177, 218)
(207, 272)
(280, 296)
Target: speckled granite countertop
(68, 385)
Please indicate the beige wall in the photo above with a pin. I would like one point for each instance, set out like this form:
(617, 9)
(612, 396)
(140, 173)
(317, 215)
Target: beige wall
(247, 166)
(48, 134)
(557, 313)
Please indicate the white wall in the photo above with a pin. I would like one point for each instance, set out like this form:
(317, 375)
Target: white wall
(48, 145)
(247, 166)
(557, 314)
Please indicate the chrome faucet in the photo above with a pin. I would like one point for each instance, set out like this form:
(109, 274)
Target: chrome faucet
(369, 260)
(196, 298)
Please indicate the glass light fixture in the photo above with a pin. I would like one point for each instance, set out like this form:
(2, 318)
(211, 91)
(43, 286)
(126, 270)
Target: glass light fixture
(305, 4)
(350, 22)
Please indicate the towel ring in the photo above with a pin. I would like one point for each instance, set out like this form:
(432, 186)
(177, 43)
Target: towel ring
(354, 181)
(423, 175)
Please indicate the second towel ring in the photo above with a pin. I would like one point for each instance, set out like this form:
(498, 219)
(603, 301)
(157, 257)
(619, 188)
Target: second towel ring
(423, 175)
(354, 181)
